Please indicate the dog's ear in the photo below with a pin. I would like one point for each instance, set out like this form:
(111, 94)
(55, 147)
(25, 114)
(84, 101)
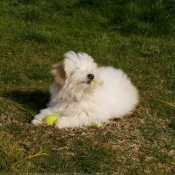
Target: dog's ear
(59, 72)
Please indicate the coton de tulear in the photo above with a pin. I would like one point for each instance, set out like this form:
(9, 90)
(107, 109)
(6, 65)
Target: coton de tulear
(84, 94)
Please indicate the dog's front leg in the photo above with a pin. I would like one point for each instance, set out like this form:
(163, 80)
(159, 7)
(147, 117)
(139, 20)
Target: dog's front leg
(38, 119)
(74, 121)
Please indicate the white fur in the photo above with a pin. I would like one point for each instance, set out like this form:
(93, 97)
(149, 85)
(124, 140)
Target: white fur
(82, 104)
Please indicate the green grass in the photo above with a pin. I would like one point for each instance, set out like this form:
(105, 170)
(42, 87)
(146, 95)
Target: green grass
(136, 36)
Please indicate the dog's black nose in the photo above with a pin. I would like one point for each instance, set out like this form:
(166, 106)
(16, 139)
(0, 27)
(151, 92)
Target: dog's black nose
(90, 76)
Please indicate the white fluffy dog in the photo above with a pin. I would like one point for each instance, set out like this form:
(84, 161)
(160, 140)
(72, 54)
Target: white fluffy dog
(83, 94)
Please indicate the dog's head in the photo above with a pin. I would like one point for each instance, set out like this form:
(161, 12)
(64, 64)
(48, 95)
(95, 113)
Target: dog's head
(75, 73)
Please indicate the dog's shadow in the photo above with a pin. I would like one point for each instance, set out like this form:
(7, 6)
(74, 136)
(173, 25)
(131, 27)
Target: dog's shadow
(29, 101)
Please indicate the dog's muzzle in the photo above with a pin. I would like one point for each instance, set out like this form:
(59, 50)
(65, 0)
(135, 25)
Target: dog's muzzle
(90, 78)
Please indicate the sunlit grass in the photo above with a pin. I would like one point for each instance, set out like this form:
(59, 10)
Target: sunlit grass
(136, 36)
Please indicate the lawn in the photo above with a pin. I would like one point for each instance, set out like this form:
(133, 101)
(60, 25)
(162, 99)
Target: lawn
(135, 36)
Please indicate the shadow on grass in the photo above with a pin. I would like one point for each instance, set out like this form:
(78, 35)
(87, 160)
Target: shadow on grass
(172, 123)
(31, 100)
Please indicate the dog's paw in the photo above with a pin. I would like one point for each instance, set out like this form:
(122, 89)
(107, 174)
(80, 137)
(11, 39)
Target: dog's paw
(63, 122)
(36, 122)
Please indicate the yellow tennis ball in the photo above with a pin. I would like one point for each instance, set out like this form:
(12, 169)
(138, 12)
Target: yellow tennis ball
(51, 119)
(92, 83)
(99, 125)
